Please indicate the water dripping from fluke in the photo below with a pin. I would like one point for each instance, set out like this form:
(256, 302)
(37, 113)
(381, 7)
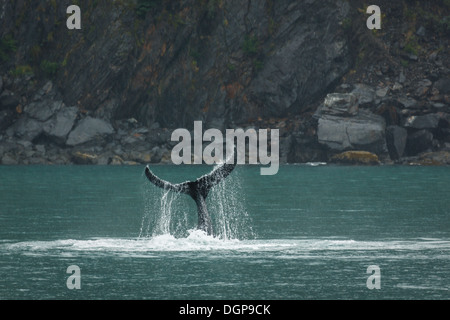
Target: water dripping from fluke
(220, 206)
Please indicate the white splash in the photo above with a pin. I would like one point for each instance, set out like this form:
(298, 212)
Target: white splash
(167, 212)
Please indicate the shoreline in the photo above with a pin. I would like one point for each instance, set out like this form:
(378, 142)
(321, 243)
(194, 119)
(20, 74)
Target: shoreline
(433, 159)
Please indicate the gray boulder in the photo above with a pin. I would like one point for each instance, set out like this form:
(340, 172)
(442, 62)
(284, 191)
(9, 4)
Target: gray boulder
(365, 132)
(59, 127)
(364, 93)
(26, 129)
(88, 129)
(418, 142)
(396, 141)
(7, 118)
(8, 101)
(43, 110)
(339, 104)
(428, 121)
(8, 160)
(443, 85)
(382, 92)
(408, 103)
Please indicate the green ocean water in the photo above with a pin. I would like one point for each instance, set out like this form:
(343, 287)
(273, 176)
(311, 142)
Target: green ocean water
(309, 232)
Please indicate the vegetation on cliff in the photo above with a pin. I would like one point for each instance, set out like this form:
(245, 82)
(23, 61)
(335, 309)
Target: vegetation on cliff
(158, 65)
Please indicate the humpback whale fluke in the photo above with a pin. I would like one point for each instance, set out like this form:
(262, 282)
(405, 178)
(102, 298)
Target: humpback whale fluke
(198, 190)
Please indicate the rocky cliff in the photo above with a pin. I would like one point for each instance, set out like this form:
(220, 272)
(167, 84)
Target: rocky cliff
(114, 91)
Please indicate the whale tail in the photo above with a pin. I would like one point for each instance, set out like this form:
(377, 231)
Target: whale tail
(198, 190)
(179, 188)
(201, 186)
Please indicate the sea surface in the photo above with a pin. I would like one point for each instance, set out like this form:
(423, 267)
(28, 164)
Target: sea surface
(309, 232)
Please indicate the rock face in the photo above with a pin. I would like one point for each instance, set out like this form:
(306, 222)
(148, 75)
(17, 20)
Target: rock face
(365, 131)
(8, 101)
(220, 61)
(364, 93)
(88, 129)
(113, 92)
(396, 141)
(61, 124)
(429, 121)
(434, 158)
(340, 105)
(443, 85)
(418, 141)
(26, 128)
(295, 72)
(43, 110)
(357, 130)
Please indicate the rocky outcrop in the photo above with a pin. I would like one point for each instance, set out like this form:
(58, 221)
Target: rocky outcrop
(8, 101)
(88, 129)
(418, 142)
(58, 128)
(356, 158)
(433, 158)
(414, 126)
(396, 137)
(339, 105)
(342, 126)
(305, 64)
(428, 121)
(364, 132)
(134, 73)
(222, 62)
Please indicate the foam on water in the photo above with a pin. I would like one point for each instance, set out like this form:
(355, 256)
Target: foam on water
(198, 241)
